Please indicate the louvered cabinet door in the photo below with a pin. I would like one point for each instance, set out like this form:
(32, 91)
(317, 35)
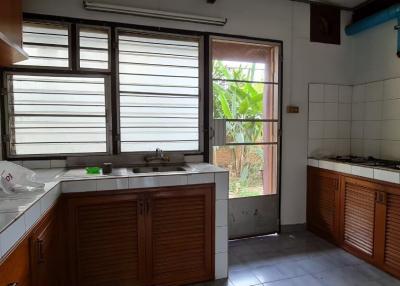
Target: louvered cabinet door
(180, 232)
(359, 216)
(392, 234)
(323, 203)
(106, 242)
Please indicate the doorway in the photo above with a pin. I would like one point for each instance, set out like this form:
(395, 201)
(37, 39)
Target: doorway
(245, 139)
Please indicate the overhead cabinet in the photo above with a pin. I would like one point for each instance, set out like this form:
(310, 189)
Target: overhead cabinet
(368, 213)
(11, 33)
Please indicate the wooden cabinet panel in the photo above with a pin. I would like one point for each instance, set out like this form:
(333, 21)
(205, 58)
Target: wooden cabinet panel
(359, 216)
(16, 268)
(323, 203)
(181, 235)
(392, 234)
(46, 259)
(11, 32)
(106, 242)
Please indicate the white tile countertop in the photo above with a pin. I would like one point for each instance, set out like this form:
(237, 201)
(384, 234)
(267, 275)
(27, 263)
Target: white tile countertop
(381, 174)
(20, 211)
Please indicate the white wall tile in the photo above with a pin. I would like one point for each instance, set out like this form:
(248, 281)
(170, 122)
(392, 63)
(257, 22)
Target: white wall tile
(221, 212)
(221, 265)
(357, 129)
(316, 93)
(345, 94)
(391, 89)
(173, 180)
(344, 130)
(372, 129)
(205, 178)
(391, 130)
(221, 239)
(357, 111)
(329, 147)
(32, 215)
(344, 111)
(36, 164)
(373, 110)
(330, 111)
(362, 171)
(391, 109)
(316, 111)
(313, 163)
(79, 186)
(50, 198)
(58, 164)
(315, 129)
(358, 93)
(372, 148)
(330, 129)
(315, 147)
(357, 147)
(12, 234)
(387, 176)
(222, 185)
(343, 147)
(331, 93)
(143, 182)
(390, 150)
(374, 91)
(112, 184)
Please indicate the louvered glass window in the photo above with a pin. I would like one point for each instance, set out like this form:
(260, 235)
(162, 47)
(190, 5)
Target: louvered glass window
(159, 92)
(94, 48)
(56, 114)
(46, 44)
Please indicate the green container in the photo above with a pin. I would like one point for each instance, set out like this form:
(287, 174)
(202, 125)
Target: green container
(93, 170)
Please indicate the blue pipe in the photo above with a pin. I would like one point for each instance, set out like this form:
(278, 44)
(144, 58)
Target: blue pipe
(381, 17)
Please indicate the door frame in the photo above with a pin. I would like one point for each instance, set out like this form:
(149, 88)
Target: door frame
(209, 103)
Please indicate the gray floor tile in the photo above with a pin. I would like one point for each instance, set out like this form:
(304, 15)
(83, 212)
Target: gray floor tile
(243, 278)
(268, 274)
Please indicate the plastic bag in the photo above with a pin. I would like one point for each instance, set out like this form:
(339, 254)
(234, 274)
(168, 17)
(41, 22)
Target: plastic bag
(15, 178)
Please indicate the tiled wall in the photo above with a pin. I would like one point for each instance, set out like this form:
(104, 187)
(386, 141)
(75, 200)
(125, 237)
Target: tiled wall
(376, 119)
(363, 120)
(329, 125)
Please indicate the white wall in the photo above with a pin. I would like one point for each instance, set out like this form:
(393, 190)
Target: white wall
(304, 62)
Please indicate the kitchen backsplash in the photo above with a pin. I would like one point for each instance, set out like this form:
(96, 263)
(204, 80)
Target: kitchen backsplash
(374, 119)
(329, 125)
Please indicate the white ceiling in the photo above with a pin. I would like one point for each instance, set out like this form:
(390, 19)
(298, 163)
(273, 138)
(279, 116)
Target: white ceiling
(344, 3)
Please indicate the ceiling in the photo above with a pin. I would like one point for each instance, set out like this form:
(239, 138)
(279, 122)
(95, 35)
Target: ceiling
(344, 3)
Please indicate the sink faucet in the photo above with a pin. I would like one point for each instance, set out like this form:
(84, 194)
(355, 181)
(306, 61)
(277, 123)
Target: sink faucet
(159, 156)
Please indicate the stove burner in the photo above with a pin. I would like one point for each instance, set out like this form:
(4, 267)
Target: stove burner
(368, 161)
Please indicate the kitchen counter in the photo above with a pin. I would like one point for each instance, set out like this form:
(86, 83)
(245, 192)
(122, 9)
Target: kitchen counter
(377, 173)
(19, 212)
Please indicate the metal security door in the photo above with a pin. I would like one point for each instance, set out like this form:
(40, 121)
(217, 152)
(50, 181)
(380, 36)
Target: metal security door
(245, 124)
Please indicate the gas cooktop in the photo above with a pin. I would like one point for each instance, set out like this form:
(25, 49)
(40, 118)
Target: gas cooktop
(368, 161)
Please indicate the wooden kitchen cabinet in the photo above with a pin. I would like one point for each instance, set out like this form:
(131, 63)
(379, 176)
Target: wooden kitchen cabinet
(158, 236)
(15, 270)
(106, 240)
(180, 235)
(369, 216)
(46, 258)
(323, 203)
(11, 32)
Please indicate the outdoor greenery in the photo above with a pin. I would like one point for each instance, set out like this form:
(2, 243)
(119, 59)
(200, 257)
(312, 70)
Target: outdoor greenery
(235, 97)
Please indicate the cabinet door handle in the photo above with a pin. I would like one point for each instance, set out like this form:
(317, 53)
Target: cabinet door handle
(40, 251)
(141, 207)
(13, 284)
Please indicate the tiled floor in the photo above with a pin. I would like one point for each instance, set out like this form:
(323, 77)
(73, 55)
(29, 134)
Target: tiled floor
(296, 260)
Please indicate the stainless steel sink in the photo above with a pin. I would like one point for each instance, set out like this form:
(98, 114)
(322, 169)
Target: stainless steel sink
(158, 169)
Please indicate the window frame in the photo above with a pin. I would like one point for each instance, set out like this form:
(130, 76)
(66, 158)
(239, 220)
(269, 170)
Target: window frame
(200, 40)
(7, 123)
(78, 47)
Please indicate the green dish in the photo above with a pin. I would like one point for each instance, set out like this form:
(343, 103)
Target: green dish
(93, 170)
